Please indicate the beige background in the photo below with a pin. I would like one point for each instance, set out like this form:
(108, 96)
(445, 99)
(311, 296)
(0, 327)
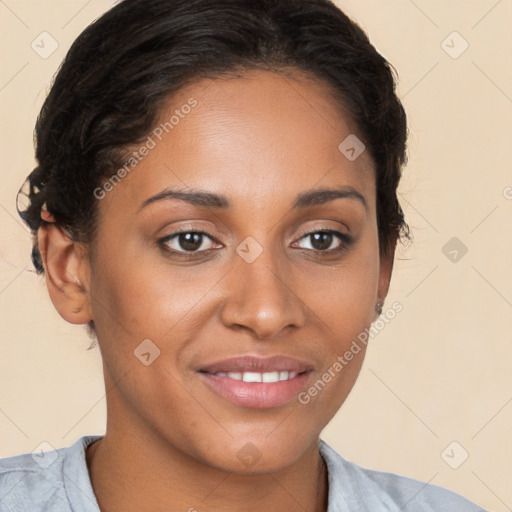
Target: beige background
(441, 371)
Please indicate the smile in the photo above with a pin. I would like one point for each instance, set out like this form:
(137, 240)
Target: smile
(256, 382)
(267, 377)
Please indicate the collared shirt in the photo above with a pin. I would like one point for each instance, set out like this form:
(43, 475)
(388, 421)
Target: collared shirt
(58, 481)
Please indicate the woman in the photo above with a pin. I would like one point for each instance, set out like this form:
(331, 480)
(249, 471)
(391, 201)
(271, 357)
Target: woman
(215, 198)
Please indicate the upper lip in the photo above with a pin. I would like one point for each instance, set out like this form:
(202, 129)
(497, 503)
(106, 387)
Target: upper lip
(250, 363)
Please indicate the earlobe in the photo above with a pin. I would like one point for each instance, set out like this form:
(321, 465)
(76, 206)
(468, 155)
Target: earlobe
(67, 273)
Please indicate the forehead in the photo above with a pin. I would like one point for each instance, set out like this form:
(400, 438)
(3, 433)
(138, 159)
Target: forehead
(261, 137)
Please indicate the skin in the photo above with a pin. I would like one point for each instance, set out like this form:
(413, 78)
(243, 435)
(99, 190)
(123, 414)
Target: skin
(260, 140)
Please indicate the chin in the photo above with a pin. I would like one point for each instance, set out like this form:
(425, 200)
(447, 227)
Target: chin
(259, 454)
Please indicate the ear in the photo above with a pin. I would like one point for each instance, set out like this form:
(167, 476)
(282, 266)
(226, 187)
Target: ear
(387, 259)
(67, 272)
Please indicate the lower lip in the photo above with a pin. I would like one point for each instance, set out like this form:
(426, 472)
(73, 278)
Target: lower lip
(257, 395)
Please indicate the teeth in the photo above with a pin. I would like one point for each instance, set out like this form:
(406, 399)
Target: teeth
(270, 377)
(258, 377)
(251, 377)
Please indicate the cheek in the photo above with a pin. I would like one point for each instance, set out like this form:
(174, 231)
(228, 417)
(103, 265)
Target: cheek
(139, 296)
(343, 296)
(344, 303)
(135, 293)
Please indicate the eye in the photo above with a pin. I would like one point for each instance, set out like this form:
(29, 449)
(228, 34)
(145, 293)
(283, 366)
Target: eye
(326, 241)
(187, 241)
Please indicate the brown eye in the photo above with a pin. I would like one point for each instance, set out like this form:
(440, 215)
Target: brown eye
(190, 241)
(326, 241)
(187, 242)
(321, 241)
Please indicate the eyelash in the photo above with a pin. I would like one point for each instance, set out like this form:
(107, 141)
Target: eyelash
(346, 242)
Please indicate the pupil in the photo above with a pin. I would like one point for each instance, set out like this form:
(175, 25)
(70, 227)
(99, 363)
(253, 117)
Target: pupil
(322, 240)
(190, 241)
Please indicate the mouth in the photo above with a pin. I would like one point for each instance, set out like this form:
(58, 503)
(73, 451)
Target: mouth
(258, 383)
(266, 377)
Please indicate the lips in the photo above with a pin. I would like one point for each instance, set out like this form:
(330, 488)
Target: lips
(254, 364)
(257, 382)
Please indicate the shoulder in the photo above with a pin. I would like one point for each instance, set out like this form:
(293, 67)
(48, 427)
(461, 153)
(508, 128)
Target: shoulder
(357, 488)
(40, 481)
(31, 480)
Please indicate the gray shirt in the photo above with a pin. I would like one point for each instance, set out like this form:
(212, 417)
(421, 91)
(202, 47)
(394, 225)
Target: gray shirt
(58, 481)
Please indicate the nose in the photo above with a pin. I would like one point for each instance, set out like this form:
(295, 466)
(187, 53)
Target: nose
(261, 297)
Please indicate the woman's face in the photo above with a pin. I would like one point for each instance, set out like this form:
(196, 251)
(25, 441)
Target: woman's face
(172, 312)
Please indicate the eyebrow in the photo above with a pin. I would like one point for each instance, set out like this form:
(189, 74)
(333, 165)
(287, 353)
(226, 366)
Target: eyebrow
(325, 195)
(304, 200)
